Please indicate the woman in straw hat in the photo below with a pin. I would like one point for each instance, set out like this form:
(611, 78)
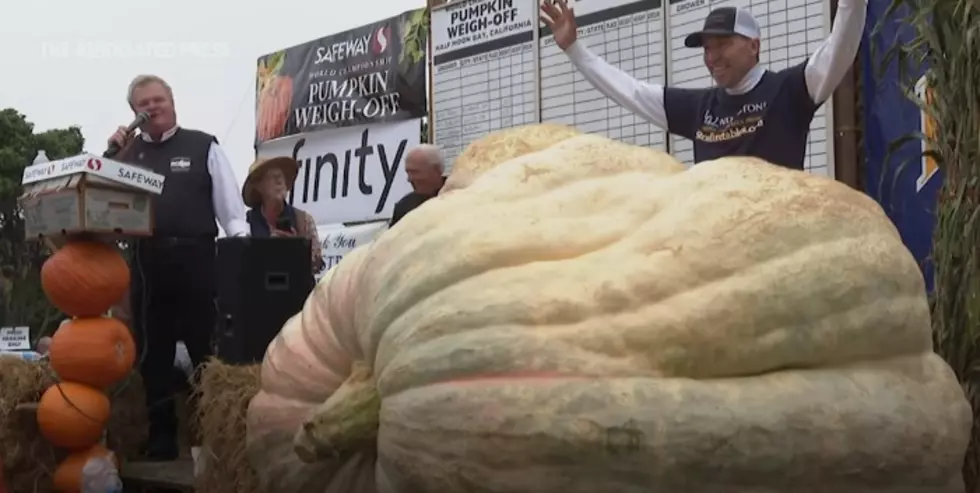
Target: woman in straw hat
(266, 187)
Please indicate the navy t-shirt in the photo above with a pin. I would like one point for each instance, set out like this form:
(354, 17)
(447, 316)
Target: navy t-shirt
(771, 122)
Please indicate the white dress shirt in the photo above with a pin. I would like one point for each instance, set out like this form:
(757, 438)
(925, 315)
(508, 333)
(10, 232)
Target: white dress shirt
(229, 208)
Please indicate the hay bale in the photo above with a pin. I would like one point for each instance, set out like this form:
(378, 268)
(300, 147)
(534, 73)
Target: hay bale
(28, 459)
(128, 425)
(224, 392)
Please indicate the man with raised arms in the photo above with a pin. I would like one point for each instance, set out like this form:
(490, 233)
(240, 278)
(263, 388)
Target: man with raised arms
(752, 111)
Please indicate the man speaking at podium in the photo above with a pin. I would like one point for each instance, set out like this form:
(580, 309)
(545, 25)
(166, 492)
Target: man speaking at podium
(174, 286)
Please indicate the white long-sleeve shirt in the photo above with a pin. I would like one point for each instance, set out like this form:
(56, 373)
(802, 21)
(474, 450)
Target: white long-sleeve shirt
(824, 70)
(229, 208)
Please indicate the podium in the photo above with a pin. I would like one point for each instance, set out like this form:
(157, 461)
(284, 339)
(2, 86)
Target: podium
(88, 195)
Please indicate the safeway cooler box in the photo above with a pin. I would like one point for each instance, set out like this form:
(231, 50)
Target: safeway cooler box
(88, 194)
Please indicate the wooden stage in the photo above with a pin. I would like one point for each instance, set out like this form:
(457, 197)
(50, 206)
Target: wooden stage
(176, 475)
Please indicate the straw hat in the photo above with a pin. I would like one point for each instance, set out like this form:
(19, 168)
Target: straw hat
(288, 165)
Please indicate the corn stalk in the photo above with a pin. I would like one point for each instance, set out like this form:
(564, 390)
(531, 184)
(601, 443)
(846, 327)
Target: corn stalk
(946, 47)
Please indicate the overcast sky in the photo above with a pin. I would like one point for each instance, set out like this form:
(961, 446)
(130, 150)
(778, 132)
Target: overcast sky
(66, 62)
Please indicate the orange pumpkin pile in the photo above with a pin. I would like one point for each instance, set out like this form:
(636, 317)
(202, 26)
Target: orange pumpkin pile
(89, 353)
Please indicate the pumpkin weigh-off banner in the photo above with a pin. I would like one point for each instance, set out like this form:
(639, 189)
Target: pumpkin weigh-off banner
(371, 74)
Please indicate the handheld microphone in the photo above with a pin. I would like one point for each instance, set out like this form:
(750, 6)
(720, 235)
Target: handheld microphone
(284, 224)
(114, 148)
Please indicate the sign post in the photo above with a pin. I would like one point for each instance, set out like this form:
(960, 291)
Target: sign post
(15, 339)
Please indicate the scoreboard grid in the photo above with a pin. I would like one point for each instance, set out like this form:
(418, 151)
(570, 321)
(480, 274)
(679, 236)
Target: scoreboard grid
(500, 81)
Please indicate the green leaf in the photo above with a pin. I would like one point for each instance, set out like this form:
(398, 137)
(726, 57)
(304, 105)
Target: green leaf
(946, 40)
(276, 62)
(22, 300)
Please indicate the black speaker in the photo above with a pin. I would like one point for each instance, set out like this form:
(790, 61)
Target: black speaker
(261, 282)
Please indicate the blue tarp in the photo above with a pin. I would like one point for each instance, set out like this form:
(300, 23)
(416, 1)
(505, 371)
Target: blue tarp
(902, 181)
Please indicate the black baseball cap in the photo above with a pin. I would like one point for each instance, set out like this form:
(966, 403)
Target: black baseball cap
(725, 21)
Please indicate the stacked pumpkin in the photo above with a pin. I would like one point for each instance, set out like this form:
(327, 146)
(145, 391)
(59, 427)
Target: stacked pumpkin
(90, 353)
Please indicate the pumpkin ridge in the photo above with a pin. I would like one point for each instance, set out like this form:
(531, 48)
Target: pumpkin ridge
(319, 352)
(399, 374)
(530, 191)
(390, 276)
(338, 348)
(549, 162)
(465, 273)
(682, 425)
(394, 376)
(397, 334)
(303, 387)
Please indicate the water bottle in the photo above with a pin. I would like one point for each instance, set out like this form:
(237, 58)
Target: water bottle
(99, 475)
(24, 355)
(31, 356)
(42, 157)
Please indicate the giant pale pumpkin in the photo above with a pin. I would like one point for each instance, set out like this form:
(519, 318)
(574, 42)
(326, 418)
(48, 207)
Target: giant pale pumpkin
(72, 415)
(85, 277)
(498, 147)
(97, 351)
(592, 317)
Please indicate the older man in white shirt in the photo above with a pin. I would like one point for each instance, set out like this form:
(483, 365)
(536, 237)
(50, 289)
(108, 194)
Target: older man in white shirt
(174, 286)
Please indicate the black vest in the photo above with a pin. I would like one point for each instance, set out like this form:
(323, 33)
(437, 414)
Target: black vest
(186, 207)
(260, 226)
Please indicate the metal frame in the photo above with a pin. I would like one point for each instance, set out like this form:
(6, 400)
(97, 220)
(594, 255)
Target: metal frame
(430, 113)
(536, 42)
(830, 125)
(433, 6)
(668, 64)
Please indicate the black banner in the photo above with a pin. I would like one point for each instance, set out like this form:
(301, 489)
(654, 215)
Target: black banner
(371, 74)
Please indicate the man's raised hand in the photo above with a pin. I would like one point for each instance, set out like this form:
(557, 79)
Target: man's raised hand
(560, 18)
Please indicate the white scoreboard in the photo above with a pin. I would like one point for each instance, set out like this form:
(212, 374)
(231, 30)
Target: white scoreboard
(626, 33)
(483, 70)
(495, 67)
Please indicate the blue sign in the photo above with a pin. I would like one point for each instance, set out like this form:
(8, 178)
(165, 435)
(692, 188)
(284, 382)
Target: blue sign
(905, 183)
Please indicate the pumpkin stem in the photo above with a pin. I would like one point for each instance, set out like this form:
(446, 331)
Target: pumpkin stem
(345, 423)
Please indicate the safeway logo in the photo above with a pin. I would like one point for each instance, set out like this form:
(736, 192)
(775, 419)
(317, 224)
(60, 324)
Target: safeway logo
(35, 173)
(380, 40)
(94, 164)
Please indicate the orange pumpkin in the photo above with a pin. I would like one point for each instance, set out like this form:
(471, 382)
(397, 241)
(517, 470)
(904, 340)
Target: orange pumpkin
(68, 475)
(97, 351)
(72, 415)
(85, 278)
